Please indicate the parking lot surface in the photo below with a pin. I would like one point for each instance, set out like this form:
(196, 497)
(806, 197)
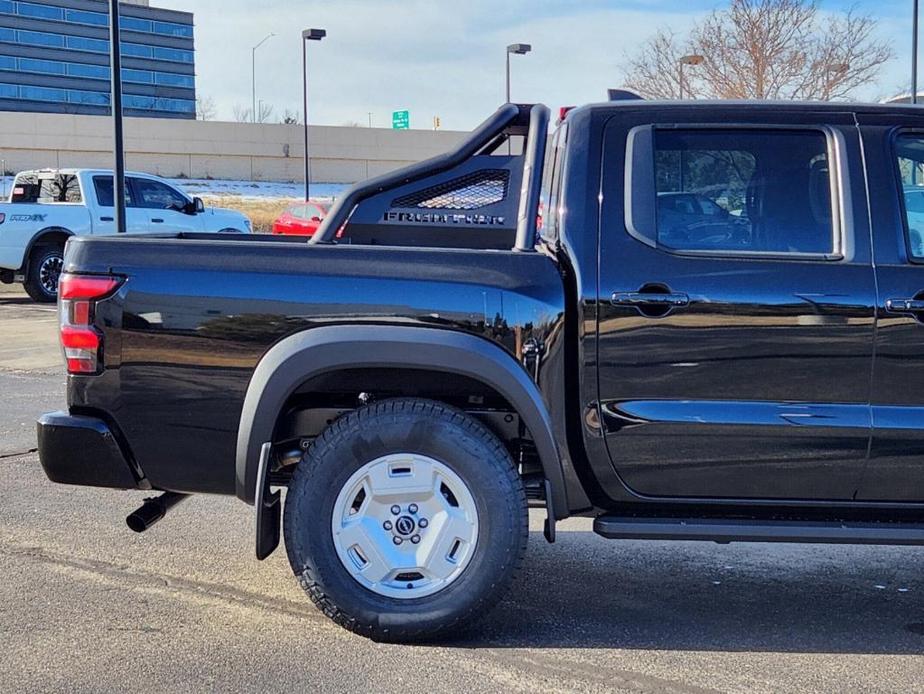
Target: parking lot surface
(88, 606)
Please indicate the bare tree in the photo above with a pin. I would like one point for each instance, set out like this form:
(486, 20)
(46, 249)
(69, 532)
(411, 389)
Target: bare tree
(290, 118)
(242, 114)
(205, 108)
(763, 49)
(264, 112)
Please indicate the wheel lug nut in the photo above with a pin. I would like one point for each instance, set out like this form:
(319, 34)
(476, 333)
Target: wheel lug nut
(395, 510)
(415, 539)
(412, 508)
(387, 525)
(423, 522)
(398, 540)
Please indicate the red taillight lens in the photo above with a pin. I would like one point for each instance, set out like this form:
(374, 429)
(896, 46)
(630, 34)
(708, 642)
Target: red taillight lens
(86, 287)
(81, 341)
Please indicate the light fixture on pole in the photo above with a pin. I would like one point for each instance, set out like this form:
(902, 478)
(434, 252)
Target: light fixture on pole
(308, 35)
(687, 60)
(515, 49)
(115, 62)
(253, 74)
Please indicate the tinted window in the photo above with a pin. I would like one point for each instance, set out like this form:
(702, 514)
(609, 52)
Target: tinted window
(8, 91)
(136, 50)
(140, 76)
(42, 93)
(7, 63)
(27, 9)
(79, 43)
(910, 153)
(6, 6)
(156, 196)
(7, 34)
(51, 67)
(104, 196)
(172, 80)
(173, 55)
(40, 38)
(744, 191)
(81, 17)
(77, 96)
(171, 29)
(47, 188)
(92, 71)
(135, 24)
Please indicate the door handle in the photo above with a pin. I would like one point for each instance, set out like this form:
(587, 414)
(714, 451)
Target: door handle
(107, 219)
(666, 299)
(904, 305)
(157, 220)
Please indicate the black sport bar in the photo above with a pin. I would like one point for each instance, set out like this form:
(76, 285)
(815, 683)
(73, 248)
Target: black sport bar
(502, 120)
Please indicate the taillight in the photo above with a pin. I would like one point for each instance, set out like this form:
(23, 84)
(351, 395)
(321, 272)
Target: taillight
(82, 342)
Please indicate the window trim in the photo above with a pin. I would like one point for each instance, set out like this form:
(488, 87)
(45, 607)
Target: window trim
(900, 190)
(640, 205)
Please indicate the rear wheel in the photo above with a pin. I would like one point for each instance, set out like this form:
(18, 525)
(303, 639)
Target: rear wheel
(405, 520)
(45, 266)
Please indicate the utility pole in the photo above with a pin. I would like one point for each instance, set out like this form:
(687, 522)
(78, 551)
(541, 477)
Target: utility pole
(115, 62)
(914, 55)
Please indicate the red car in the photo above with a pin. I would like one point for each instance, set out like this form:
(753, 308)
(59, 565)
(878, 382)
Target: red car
(302, 219)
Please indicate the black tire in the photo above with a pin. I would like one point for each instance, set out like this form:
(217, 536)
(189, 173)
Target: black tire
(445, 434)
(45, 265)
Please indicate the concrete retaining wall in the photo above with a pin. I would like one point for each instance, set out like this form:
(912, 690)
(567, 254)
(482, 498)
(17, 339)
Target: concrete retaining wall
(197, 149)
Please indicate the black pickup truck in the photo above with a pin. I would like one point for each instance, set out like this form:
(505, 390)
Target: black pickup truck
(690, 321)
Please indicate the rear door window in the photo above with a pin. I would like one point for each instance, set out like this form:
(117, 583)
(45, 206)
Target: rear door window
(104, 196)
(909, 152)
(744, 191)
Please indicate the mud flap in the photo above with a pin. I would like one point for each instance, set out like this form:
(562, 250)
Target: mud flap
(268, 508)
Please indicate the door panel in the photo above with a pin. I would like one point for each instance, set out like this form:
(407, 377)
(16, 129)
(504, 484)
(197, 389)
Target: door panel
(896, 466)
(748, 376)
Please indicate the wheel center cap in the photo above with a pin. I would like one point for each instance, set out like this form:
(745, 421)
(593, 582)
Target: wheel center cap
(405, 525)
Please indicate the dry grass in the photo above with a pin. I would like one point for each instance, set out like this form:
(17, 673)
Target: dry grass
(261, 212)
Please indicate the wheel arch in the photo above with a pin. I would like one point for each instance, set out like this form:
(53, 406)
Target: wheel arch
(317, 351)
(41, 237)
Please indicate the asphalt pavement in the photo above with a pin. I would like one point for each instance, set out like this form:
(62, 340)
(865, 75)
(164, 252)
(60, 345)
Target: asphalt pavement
(88, 606)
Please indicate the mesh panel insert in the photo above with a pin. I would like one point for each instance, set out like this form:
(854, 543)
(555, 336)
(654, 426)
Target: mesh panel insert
(468, 192)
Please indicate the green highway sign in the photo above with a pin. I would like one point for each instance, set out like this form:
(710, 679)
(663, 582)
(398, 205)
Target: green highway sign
(401, 120)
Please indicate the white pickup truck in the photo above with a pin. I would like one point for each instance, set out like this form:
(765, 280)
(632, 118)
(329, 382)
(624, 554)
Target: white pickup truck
(47, 207)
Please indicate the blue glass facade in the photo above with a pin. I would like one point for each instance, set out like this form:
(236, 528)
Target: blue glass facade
(54, 57)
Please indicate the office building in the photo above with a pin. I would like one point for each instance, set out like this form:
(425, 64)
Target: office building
(54, 58)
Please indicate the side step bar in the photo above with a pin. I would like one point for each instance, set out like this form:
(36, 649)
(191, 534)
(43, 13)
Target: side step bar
(725, 531)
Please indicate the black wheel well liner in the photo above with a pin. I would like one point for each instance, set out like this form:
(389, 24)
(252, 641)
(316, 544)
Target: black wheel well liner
(38, 239)
(314, 352)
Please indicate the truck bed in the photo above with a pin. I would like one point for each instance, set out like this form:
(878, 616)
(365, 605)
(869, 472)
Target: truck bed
(210, 303)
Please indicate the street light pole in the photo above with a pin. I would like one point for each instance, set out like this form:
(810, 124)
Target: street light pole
(253, 75)
(914, 55)
(115, 63)
(308, 35)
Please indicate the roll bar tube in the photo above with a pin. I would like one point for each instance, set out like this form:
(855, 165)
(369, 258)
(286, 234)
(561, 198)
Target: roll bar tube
(495, 125)
(533, 163)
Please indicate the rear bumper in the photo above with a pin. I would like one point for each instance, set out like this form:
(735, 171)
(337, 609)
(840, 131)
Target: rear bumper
(82, 450)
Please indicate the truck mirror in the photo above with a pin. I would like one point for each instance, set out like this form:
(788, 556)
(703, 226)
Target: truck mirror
(198, 206)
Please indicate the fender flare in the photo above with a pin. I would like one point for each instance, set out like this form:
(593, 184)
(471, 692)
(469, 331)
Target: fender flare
(316, 351)
(36, 238)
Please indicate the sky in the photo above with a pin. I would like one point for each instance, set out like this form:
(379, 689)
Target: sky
(445, 58)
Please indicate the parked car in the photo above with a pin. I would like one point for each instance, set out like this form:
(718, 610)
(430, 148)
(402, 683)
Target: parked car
(302, 219)
(421, 383)
(47, 207)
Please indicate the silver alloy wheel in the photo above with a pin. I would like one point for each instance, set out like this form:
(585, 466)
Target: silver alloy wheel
(405, 525)
(49, 273)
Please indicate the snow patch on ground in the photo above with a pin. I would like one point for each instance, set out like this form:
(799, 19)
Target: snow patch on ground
(261, 190)
(255, 190)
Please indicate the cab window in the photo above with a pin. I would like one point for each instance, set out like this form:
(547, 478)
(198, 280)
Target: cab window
(910, 156)
(743, 191)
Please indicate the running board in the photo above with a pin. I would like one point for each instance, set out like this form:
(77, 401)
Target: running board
(725, 531)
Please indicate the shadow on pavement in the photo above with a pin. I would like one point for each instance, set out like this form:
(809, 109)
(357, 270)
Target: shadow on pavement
(587, 592)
